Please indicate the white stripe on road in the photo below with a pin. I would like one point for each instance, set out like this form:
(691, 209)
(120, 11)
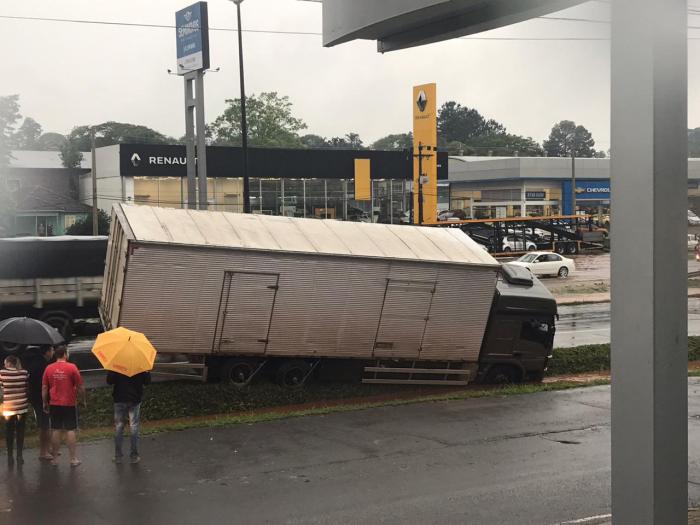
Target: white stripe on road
(588, 521)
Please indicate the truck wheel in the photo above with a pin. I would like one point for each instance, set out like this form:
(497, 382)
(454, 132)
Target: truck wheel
(238, 372)
(561, 249)
(502, 375)
(506, 249)
(572, 248)
(292, 374)
(61, 321)
(563, 272)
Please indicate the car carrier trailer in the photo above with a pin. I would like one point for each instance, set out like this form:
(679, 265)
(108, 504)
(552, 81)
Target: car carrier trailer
(564, 234)
(244, 294)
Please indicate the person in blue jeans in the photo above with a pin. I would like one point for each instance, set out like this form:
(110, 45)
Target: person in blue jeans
(127, 395)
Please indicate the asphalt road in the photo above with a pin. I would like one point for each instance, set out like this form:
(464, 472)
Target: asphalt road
(531, 459)
(590, 323)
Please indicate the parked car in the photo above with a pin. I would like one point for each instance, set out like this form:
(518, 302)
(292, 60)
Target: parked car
(545, 263)
(693, 219)
(452, 215)
(692, 241)
(515, 244)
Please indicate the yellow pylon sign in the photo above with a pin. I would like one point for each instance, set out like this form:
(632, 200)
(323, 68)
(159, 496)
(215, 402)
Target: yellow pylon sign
(425, 135)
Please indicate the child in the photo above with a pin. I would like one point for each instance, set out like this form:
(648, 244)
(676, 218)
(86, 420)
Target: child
(15, 405)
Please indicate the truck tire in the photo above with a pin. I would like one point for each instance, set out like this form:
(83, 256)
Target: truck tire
(572, 248)
(507, 249)
(292, 374)
(503, 375)
(61, 321)
(238, 372)
(561, 248)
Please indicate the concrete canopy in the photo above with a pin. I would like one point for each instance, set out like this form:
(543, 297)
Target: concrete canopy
(399, 24)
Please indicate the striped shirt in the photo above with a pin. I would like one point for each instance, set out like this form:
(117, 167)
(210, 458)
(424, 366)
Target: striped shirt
(14, 391)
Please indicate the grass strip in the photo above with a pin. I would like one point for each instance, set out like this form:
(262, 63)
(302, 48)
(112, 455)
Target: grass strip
(596, 358)
(150, 427)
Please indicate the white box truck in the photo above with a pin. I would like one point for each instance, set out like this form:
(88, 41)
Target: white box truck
(245, 294)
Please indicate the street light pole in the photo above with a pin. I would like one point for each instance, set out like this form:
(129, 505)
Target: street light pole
(244, 124)
(573, 182)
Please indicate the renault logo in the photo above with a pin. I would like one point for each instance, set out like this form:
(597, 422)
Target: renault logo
(422, 101)
(135, 160)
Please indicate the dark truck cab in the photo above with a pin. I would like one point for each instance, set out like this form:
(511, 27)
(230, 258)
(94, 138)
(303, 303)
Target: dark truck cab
(520, 333)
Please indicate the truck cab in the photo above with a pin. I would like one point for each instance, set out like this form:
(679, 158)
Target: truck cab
(519, 337)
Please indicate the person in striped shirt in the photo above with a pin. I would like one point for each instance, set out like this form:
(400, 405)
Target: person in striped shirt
(15, 405)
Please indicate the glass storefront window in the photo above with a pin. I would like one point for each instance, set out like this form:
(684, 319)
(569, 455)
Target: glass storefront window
(316, 201)
(270, 196)
(293, 203)
(335, 193)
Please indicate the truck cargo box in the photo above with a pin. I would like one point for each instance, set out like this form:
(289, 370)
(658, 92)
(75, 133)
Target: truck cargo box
(207, 282)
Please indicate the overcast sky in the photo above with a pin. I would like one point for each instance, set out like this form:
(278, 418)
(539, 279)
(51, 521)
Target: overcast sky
(74, 74)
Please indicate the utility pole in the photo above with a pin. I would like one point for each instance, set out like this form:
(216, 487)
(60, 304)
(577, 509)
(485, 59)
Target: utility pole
(244, 123)
(573, 181)
(420, 156)
(93, 170)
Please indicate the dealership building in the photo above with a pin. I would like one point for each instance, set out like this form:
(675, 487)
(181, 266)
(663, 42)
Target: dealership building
(313, 183)
(488, 187)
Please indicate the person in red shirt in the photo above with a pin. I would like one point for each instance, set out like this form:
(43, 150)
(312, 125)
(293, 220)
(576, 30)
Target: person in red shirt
(60, 388)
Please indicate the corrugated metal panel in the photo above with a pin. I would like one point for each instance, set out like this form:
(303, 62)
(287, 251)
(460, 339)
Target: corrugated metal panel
(475, 249)
(355, 239)
(421, 245)
(246, 309)
(403, 320)
(180, 226)
(460, 308)
(219, 231)
(252, 233)
(322, 237)
(390, 245)
(144, 223)
(286, 234)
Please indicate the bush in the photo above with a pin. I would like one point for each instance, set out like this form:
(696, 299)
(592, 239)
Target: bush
(596, 358)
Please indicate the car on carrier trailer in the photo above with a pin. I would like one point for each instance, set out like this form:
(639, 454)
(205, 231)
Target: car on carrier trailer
(244, 295)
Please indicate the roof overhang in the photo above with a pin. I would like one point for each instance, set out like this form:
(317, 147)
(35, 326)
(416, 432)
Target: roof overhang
(399, 24)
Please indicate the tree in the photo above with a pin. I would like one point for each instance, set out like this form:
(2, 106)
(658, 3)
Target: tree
(694, 143)
(459, 123)
(269, 118)
(397, 141)
(70, 155)
(84, 226)
(565, 136)
(50, 142)
(27, 136)
(9, 115)
(312, 141)
(110, 133)
(506, 145)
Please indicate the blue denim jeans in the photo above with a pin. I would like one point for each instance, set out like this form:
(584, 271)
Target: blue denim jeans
(122, 412)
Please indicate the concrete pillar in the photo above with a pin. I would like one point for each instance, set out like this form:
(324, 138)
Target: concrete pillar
(649, 262)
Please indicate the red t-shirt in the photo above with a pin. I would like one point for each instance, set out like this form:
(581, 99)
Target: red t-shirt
(63, 380)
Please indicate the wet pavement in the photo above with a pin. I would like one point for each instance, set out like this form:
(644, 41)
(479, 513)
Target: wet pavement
(590, 323)
(530, 459)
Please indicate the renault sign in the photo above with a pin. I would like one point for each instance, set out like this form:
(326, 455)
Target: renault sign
(192, 34)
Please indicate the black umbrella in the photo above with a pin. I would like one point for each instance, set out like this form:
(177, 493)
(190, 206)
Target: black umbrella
(28, 331)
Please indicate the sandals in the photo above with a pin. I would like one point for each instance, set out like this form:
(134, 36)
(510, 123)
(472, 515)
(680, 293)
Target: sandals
(75, 462)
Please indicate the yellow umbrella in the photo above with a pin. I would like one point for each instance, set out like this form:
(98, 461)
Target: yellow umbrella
(124, 351)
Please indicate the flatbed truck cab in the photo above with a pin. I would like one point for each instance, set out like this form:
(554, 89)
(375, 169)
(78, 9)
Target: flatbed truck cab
(519, 336)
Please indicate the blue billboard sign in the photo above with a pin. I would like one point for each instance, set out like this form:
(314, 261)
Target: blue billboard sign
(192, 32)
(586, 191)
